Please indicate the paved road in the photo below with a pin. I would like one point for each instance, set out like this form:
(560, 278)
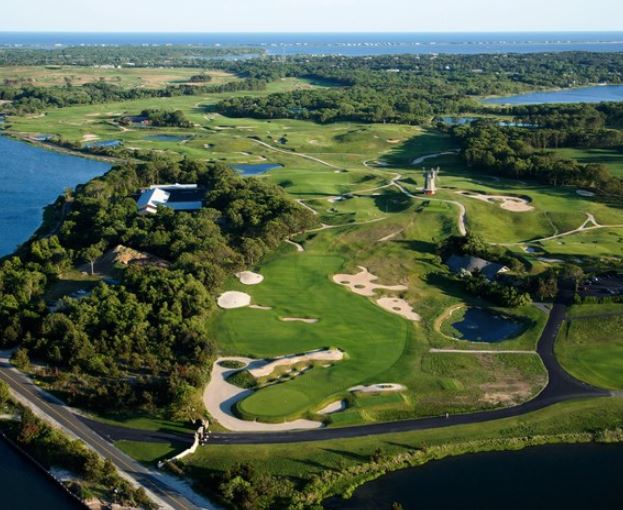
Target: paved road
(23, 387)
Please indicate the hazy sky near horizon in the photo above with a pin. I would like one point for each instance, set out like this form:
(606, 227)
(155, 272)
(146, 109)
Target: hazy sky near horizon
(310, 15)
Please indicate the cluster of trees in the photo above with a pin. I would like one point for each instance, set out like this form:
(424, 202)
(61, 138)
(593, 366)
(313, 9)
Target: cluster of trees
(409, 88)
(509, 292)
(509, 152)
(143, 342)
(26, 99)
(165, 118)
(128, 55)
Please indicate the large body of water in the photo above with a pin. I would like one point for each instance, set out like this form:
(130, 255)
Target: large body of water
(343, 44)
(595, 94)
(573, 477)
(30, 179)
(24, 487)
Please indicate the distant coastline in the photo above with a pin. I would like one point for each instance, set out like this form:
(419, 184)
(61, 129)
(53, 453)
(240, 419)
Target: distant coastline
(353, 44)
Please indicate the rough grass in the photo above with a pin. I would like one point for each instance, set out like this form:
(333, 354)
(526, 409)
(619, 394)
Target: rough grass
(592, 348)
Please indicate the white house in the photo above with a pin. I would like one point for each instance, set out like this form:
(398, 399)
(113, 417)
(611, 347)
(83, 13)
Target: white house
(180, 197)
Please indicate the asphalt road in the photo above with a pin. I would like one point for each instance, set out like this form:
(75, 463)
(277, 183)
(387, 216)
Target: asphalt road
(24, 388)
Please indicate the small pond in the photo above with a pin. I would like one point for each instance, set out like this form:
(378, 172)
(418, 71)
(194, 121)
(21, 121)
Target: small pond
(256, 168)
(103, 144)
(166, 138)
(484, 325)
(595, 94)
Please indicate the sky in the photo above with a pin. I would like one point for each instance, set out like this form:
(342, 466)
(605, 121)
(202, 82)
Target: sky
(310, 15)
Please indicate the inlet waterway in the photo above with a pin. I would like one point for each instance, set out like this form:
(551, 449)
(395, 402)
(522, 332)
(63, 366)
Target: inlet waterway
(573, 477)
(595, 94)
(30, 179)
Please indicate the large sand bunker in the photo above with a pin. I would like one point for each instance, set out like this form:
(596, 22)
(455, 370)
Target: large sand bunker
(510, 203)
(399, 307)
(233, 299)
(264, 369)
(334, 407)
(362, 283)
(249, 278)
(377, 388)
(220, 397)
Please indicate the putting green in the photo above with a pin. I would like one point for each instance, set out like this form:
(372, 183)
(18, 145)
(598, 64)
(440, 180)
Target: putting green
(298, 285)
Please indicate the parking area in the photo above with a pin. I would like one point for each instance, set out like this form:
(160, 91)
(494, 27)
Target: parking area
(609, 284)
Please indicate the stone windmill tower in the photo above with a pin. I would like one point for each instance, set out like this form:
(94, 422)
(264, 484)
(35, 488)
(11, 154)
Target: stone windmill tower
(430, 181)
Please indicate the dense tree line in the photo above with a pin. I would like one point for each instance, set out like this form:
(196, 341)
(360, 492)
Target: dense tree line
(518, 153)
(26, 99)
(144, 341)
(410, 88)
(125, 55)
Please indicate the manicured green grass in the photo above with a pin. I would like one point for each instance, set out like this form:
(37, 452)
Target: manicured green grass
(592, 348)
(300, 461)
(149, 453)
(142, 422)
(612, 158)
(380, 347)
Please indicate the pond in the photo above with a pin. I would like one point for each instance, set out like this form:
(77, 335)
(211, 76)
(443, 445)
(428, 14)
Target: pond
(30, 179)
(256, 168)
(573, 477)
(595, 94)
(166, 138)
(484, 325)
(24, 486)
(103, 144)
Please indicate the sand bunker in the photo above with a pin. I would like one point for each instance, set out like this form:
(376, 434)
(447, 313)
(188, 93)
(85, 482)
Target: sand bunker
(260, 307)
(394, 141)
(249, 278)
(298, 319)
(361, 283)
(334, 407)
(89, 137)
(220, 397)
(584, 193)
(514, 204)
(233, 299)
(265, 369)
(333, 200)
(377, 388)
(399, 307)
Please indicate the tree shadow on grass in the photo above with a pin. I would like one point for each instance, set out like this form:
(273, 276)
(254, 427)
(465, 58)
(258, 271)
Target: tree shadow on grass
(348, 455)
(417, 245)
(392, 202)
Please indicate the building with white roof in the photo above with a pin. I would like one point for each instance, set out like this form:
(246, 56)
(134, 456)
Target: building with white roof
(179, 197)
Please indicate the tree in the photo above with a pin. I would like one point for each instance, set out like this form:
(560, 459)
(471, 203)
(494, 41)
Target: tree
(92, 253)
(21, 359)
(4, 393)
